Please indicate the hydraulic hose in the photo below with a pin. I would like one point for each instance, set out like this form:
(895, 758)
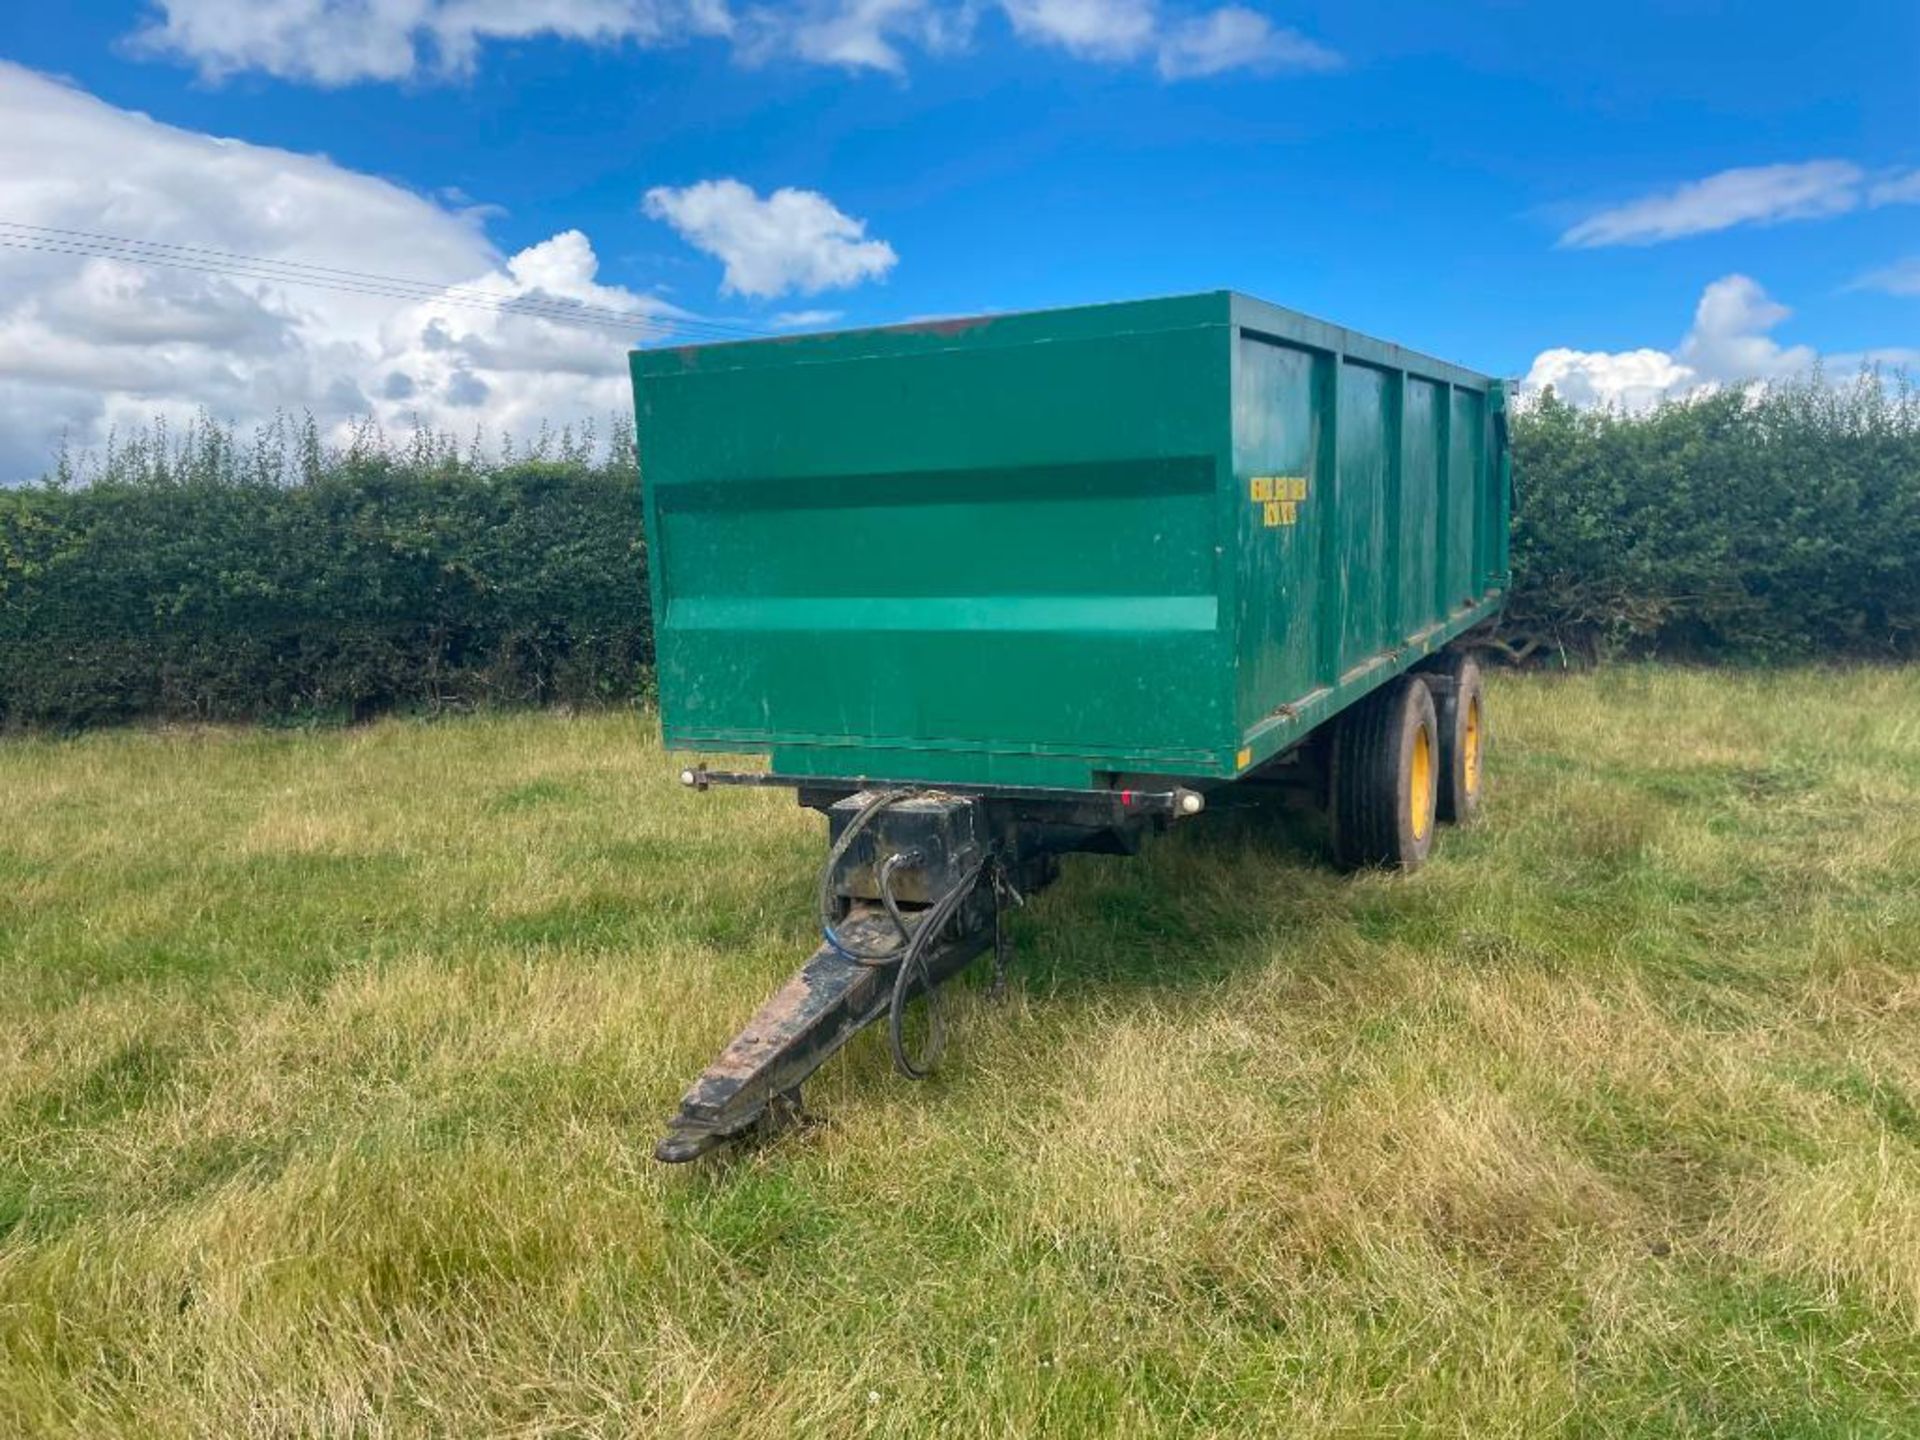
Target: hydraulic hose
(910, 947)
(831, 913)
(914, 963)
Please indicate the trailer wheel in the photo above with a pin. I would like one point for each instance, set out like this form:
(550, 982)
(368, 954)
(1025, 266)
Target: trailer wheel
(1459, 702)
(1386, 778)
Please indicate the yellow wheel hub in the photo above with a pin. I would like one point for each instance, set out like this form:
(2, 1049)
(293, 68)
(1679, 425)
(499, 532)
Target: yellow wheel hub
(1420, 784)
(1470, 747)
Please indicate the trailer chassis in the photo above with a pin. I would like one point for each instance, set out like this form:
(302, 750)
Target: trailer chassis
(956, 858)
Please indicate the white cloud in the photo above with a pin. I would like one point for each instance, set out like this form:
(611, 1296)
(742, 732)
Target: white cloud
(1882, 357)
(1232, 37)
(1091, 29)
(1729, 343)
(512, 370)
(791, 240)
(1731, 339)
(1757, 195)
(1635, 379)
(88, 343)
(1236, 38)
(1900, 278)
(805, 319)
(854, 34)
(337, 42)
(342, 42)
(1896, 188)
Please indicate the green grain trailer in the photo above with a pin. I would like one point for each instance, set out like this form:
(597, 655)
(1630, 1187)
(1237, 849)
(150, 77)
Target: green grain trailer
(991, 590)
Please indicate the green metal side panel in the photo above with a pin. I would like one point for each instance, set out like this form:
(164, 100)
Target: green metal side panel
(1419, 503)
(982, 552)
(1166, 537)
(1276, 436)
(1399, 543)
(1368, 623)
(1461, 552)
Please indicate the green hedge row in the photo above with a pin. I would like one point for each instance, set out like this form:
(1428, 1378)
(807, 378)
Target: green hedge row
(188, 576)
(1760, 525)
(192, 580)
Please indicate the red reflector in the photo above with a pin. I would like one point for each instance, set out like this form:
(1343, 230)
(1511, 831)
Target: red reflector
(1126, 797)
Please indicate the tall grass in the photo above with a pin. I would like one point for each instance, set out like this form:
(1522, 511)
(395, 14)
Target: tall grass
(329, 1065)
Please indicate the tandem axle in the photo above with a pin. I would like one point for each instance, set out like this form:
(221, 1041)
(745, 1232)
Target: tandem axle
(917, 883)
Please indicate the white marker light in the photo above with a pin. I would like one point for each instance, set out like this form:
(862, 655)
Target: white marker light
(686, 777)
(1192, 803)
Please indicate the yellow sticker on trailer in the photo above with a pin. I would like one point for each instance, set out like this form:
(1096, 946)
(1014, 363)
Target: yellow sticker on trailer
(1278, 497)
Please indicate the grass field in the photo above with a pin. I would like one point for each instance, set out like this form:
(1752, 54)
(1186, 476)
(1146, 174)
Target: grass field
(330, 1063)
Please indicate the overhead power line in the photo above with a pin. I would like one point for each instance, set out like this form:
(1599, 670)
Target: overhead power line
(53, 240)
(372, 288)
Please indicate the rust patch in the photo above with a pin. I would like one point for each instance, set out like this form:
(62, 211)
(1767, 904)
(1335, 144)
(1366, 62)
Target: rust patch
(786, 1013)
(956, 325)
(816, 1011)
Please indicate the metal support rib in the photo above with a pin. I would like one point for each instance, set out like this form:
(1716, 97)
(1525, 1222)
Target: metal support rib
(827, 1002)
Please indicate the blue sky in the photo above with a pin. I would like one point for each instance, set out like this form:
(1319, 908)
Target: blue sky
(1489, 182)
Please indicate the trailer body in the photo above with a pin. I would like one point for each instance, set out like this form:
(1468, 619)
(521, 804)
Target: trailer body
(1165, 537)
(995, 591)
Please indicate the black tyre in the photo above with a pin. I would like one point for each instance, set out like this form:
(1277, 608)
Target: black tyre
(1460, 705)
(1386, 773)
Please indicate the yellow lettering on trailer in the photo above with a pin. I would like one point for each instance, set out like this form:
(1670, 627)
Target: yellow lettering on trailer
(1279, 498)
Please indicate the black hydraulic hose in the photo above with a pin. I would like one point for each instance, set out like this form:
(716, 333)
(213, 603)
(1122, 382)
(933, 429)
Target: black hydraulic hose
(883, 882)
(830, 912)
(914, 962)
(911, 946)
